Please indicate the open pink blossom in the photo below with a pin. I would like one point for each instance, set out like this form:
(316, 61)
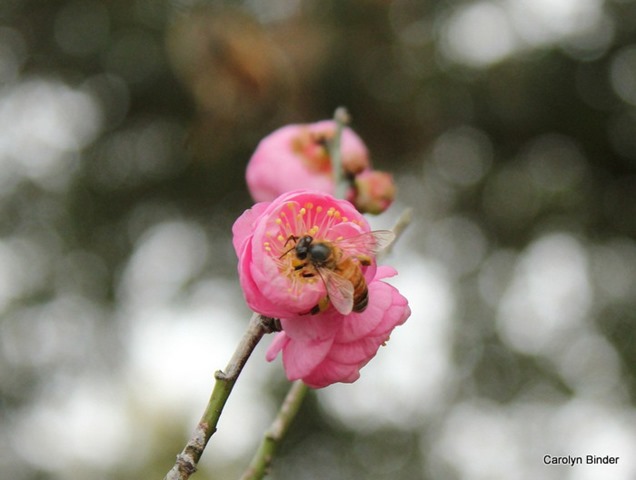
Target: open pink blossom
(329, 346)
(271, 284)
(297, 157)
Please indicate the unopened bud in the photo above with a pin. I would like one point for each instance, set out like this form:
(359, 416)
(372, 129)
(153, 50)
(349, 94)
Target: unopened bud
(374, 191)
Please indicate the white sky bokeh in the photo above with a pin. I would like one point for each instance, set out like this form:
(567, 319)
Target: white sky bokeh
(549, 296)
(179, 336)
(482, 440)
(479, 34)
(416, 361)
(44, 124)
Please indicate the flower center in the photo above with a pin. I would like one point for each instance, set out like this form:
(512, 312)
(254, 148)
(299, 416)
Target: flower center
(312, 148)
(290, 224)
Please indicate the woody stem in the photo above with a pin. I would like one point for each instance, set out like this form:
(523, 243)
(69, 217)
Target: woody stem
(341, 117)
(263, 457)
(187, 460)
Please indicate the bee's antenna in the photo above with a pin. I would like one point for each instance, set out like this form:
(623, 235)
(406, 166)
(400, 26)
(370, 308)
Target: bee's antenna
(291, 237)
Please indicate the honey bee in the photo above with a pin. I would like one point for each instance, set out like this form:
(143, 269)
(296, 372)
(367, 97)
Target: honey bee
(339, 265)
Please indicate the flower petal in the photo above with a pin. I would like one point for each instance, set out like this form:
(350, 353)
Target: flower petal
(385, 271)
(353, 353)
(279, 342)
(312, 327)
(330, 372)
(300, 358)
(357, 325)
(244, 225)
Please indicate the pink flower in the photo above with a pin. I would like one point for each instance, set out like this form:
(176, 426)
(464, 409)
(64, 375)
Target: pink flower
(296, 157)
(333, 344)
(271, 284)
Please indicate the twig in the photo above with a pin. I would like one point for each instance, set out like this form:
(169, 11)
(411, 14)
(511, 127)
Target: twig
(341, 117)
(188, 459)
(403, 221)
(259, 466)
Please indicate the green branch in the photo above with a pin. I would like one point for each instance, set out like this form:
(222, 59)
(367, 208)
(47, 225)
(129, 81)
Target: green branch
(259, 466)
(188, 459)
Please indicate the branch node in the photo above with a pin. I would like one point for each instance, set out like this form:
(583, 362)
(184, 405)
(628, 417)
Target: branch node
(270, 325)
(219, 375)
(186, 464)
(341, 115)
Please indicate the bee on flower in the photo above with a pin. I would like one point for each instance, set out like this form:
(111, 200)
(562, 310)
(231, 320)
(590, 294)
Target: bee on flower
(338, 264)
(309, 260)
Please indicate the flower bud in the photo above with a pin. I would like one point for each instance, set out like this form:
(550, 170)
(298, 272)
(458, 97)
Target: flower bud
(374, 191)
(297, 157)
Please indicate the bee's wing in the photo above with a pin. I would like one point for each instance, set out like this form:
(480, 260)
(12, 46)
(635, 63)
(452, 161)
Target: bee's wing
(339, 289)
(369, 243)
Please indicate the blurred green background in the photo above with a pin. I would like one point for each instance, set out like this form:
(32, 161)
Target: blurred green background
(510, 126)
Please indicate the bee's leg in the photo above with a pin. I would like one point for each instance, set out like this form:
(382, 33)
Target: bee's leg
(297, 263)
(364, 260)
(323, 304)
(300, 266)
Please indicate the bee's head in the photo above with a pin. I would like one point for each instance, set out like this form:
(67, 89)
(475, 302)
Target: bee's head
(303, 245)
